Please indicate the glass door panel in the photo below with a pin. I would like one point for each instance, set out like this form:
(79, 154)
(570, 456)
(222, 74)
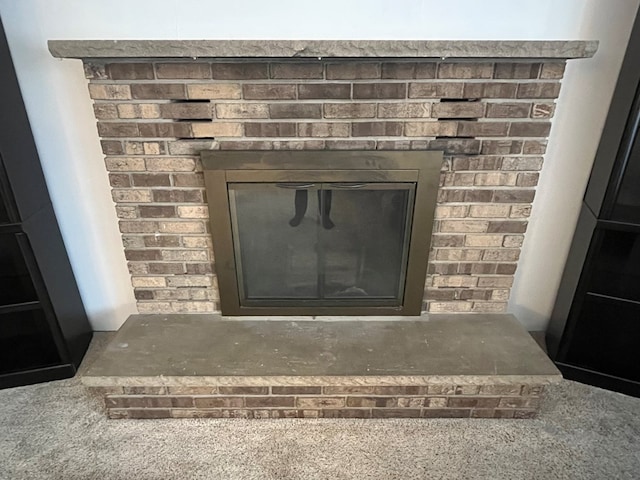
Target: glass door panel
(16, 285)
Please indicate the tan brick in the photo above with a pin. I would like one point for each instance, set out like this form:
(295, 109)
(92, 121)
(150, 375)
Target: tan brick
(408, 70)
(240, 71)
(216, 129)
(196, 242)
(126, 212)
(534, 147)
(379, 90)
(138, 227)
(125, 164)
(268, 91)
(192, 307)
(463, 226)
(508, 110)
(320, 402)
(489, 307)
(105, 111)
(404, 110)
(165, 129)
(242, 110)
(295, 110)
(495, 179)
(552, 70)
(189, 281)
(193, 212)
(138, 110)
(130, 71)
(149, 281)
(495, 282)
(170, 164)
(181, 227)
(457, 110)
(520, 211)
(324, 129)
(214, 91)
(465, 281)
(186, 110)
(455, 254)
(451, 211)
(113, 129)
(513, 241)
(109, 92)
(490, 90)
(270, 129)
(500, 294)
(465, 70)
(183, 70)
(489, 211)
(184, 255)
(352, 71)
(482, 129)
(349, 110)
(521, 163)
(376, 129)
(538, 90)
(158, 91)
(483, 240)
(131, 195)
(436, 90)
(501, 255)
(501, 147)
(516, 70)
(431, 129)
(177, 196)
(449, 307)
(543, 110)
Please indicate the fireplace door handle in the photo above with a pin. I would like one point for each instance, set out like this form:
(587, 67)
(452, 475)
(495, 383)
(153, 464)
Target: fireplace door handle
(295, 186)
(347, 185)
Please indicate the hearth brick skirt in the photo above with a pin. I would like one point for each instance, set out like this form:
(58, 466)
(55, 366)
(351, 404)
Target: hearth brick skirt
(487, 106)
(194, 366)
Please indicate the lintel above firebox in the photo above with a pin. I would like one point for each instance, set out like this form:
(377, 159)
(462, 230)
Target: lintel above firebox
(441, 49)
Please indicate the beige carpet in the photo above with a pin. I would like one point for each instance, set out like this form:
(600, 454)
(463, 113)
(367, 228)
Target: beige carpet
(54, 431)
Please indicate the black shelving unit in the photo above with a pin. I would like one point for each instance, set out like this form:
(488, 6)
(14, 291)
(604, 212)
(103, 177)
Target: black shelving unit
(44, 331)
(594, 333)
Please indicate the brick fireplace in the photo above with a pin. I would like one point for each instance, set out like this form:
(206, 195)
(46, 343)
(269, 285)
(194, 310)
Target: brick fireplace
(488, 108)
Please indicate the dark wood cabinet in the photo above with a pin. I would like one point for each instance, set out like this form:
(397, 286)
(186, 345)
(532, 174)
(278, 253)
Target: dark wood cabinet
(594, 333)
(44, 331)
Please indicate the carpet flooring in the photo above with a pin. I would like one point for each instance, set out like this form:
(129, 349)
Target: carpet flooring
(55, 431)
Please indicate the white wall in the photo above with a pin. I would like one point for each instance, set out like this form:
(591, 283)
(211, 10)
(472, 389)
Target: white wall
(58, 105)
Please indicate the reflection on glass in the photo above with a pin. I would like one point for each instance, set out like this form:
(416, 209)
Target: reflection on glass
(4, 214)
(327, 243)
(627, 205)
(15, 281)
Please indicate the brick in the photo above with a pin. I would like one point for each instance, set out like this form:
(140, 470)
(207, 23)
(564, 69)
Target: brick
(269, 91)
(529, 129)
(242, 110)
(181, 227)
(521, 163)
(334, 390)
(196, 242)
(396, 413)
(457, 110)
(376, 129)
(455, 281)
(393, 145)
(527, 179)
(270, 129)
(177, 196)
(538, 90)
(153, 307)
(183, 70)
(476, 402)
(130, 71)
(177, 130)
(126, 212)
(351, 144)
(170, 164)
(214, 91)
(246, 145)
(139, 110)
(166, 268)
(506, 268)
(324, 90)
(352, 71)
(125, 164)
(458, 254)
(218, 402)
(451, 211)
(269, 401)
(483, 240)
(519, 402)
(199, 268)
(513, 241)
(111, 147)
(296, 390)
(379, 90)
(105, 111)
(516, 70)
(490, 90)
(144, 91)
(346, 413)
(324, 129)
(297, 70)
(456, 146)
(192, 390)
(500, 295)
(520, 211)
(373, 402)
(133, 147)
(495, 282)
(239, 71)
(513, 196)
(320, 402)
(154, 148)
(109, 92)
(501, 147)
(489, 211)
(552, 71)
(243, 390)
(508, 110)
(184, 255)
(186, 110)
(193, 212)
(495, 179)
(431, 129)
(408, 70)
(404, 110)
(465, 70)
(216, 129)
(114, 129)
(447, 240)
(463, 226)
(349, 110)
(94, 71)
(119, 180)
(482, 129)
(151, 180)
(543, 110)
(436, 90)
(157, 211)
(534, 147)
(149, 281)
(295, 110)
(138, 227)
(131, 195)
(188, 179)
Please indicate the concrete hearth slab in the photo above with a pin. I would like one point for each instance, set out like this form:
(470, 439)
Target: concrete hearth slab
(468, 349)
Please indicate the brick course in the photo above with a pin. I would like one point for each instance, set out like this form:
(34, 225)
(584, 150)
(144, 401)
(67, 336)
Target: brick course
(490, 119)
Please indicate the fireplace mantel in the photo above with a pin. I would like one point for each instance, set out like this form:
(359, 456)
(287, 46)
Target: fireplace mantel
(427, 49)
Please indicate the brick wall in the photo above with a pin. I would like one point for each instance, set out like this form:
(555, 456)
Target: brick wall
(491, 120)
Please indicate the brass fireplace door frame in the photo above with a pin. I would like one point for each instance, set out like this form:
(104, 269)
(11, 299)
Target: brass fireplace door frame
(224, 167)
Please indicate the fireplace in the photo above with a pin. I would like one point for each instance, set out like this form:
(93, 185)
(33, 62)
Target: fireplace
(321, 232)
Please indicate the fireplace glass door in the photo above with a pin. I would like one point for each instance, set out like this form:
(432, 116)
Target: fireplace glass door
(324, 244)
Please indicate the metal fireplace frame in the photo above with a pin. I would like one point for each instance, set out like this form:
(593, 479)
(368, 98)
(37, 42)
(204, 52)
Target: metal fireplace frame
(419, 167)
